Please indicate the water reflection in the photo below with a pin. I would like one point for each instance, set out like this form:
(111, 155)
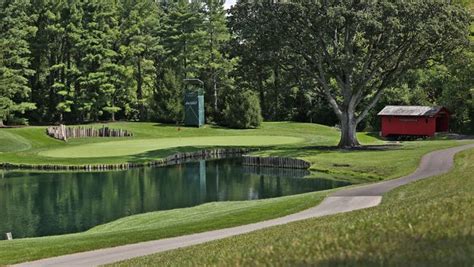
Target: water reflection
(37, 204)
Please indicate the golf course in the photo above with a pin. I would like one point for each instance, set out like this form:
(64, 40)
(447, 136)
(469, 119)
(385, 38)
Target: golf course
(380, 160)
(236, 133)
(151, 141)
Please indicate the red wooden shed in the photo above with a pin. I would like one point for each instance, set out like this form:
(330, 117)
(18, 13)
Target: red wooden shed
(414, 120)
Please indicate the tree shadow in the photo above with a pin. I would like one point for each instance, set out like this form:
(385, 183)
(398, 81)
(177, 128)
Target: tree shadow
(163, 153)
(308, 151)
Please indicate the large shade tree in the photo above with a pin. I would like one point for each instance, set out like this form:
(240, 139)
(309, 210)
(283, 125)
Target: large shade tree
(355, 49)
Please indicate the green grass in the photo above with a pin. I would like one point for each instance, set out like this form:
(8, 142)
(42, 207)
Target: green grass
(157, 225)
(365, 166)
(133, 147)
(151, 141)
(10, 142)
(183, 139)
(28, 145)
(427, 223)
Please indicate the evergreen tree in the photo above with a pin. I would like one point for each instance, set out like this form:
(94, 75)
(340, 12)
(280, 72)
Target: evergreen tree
(218, 66)
(95, 54)
(167, 103)
(182, 37)
(264, 61)
(243, 111)
(140, 46)
(15, 30)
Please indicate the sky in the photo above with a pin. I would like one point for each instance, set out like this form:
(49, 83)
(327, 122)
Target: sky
(228, 3)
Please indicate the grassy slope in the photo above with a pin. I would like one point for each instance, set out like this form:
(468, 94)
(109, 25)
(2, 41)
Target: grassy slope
(156, 225)
(426, 223)
(363, 165)
(10, 142)
(138, 146)
(367, 165)
(40, 143)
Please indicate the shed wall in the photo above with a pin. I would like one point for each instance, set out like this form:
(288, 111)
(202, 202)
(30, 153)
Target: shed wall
(404, 125)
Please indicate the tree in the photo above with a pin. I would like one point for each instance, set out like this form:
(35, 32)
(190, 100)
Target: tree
(95, 55)
(15, 30)
(140, 45)
(264, 61)
(243, 110)
(167, 97)
(183, 37)
(183, 44)
(218, 66)
(355, 50)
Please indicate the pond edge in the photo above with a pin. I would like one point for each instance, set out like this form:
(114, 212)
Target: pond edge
(177, 158)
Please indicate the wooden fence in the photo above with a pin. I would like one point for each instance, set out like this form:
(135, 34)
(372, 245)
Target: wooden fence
(278, 162)
(62, 132)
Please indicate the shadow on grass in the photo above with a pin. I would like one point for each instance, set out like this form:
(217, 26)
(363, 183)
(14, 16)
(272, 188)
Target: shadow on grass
(163, 153)
(375, 135)
(276, 151)
(182, 126)
(308, 151)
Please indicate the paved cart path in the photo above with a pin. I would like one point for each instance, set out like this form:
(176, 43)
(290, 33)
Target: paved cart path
(345, 200)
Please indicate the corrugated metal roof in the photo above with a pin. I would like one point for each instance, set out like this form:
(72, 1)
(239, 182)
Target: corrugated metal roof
(409, 111)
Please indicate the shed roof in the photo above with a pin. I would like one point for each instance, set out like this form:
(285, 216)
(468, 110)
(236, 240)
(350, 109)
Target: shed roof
(409, 111)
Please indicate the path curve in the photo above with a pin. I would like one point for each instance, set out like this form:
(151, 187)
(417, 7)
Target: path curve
(356, 198)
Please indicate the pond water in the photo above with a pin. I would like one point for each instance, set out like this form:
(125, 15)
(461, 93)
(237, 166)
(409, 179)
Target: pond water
(45, 203)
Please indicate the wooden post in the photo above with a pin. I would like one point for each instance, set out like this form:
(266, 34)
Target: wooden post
(9, 236)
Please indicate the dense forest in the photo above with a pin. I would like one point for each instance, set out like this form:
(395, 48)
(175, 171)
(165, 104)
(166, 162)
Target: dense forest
(79, 61)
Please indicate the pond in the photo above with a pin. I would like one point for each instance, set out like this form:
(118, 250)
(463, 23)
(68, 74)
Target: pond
(50, 203)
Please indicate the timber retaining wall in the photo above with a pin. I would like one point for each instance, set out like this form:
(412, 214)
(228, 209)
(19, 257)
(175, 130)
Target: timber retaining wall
(279, 162)
(275, 162)
(170, 160)
(62, 132)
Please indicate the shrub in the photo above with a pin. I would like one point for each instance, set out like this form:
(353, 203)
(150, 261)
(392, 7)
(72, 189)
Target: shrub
(243, 111)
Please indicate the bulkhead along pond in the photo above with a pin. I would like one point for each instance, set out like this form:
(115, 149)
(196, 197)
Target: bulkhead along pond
(51, 203)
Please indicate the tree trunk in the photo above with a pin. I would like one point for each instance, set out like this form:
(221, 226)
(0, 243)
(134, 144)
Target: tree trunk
(141, 107)
(348, 130)
(1, 123)
(216, 109)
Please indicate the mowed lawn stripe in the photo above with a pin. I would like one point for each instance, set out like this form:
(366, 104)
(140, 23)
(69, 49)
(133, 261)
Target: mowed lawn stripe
(137, 146)
(10, 142)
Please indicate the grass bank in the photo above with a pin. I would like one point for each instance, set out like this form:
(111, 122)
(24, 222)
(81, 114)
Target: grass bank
(156, 225)
(312, 142)
(427, 223)
(28, 145)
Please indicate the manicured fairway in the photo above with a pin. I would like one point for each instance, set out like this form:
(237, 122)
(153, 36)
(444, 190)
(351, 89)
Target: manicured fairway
(156, 225)
(12, 143)
(132, 147)
(311, 142)
(427, 223)
(151, 141)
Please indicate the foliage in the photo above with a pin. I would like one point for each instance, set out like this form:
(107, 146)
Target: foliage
(264, 62)
(15, 30)
(356, 50)
(243, 111)
(216, 71)
(167, 97)
(77, 61)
